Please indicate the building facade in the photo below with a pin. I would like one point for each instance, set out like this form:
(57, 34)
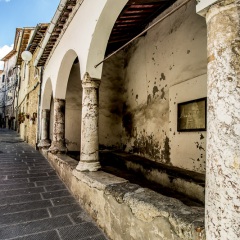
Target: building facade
(8, 85)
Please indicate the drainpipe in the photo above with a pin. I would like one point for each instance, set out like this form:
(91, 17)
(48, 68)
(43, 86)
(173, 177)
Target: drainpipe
(50, 30)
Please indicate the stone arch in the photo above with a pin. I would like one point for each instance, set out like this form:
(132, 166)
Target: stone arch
(63, 74)
(101, 35)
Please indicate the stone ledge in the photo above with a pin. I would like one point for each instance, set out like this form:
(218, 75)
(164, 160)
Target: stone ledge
(190, 183)
(64, 159)
(146, 205)
(127, 211)
(99, 180)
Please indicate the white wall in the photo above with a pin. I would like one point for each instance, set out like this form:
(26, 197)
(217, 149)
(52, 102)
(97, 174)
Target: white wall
(188, 149)
(171, 53)
(203, 5)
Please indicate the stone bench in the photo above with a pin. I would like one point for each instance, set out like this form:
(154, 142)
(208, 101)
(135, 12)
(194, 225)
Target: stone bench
(127, 211)
(189, 183)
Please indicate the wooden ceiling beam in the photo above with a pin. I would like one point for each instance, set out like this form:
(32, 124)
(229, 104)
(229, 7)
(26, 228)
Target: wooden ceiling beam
(146, 1)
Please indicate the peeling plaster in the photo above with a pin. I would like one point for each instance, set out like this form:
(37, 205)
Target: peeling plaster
(155, 90)
(162, 77)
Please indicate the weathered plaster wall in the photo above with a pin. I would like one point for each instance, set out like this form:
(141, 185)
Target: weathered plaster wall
(111, 99)
(188, 149)
(172, 52)
(73, 109)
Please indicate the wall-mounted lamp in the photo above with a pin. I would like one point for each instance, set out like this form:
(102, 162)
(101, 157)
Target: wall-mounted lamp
(27, 55)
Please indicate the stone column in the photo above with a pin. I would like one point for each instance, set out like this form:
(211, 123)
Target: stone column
(89, 156)
(223, 136)
(58, 143)
(45, 141)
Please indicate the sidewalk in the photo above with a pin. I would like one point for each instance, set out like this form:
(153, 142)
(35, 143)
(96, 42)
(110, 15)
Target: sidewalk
(34, 203)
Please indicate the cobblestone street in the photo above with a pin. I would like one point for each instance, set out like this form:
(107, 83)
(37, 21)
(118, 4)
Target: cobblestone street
(34, 203)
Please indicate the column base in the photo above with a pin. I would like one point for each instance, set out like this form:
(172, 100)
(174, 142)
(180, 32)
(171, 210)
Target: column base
(57, 147)
(84, 166)
(44, 143)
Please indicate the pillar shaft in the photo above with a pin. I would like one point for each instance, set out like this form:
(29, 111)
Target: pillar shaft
(45, 123)
(223, 140)
(58, 141)
(89, 157)
(45, 142)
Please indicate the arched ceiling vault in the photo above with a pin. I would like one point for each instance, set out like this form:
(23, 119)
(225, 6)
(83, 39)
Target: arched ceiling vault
(134, 17)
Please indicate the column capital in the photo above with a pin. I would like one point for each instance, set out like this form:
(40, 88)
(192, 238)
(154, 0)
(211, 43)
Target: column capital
(204, 5)
(89, 82)
(218, 7)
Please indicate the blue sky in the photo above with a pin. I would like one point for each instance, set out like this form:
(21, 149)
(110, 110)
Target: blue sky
(22, 13)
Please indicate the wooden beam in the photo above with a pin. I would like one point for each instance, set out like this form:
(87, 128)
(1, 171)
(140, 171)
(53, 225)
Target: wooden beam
(145, 1)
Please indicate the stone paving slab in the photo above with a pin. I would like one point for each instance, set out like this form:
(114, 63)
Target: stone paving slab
(34, 203)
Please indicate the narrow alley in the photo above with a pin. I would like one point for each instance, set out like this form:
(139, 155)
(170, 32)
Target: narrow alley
(34, 203)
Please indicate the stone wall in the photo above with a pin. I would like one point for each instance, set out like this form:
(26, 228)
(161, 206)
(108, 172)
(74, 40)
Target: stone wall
(127, 211)
(28, 101)
(33, 105)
